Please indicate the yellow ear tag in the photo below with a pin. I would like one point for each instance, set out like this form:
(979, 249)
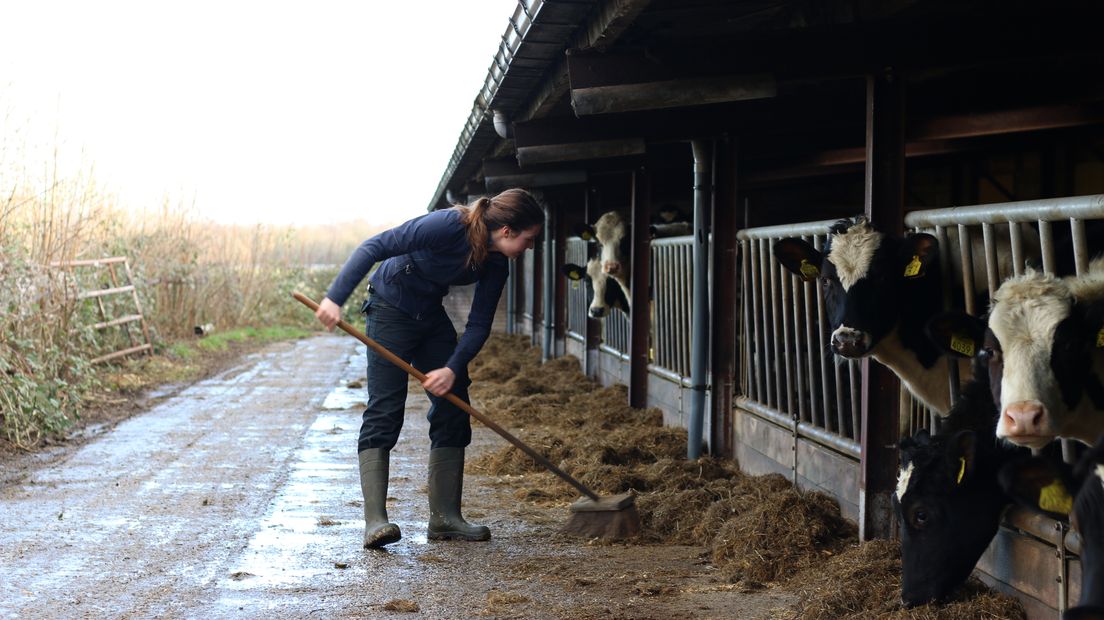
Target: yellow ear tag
(585, 235)
(912, 270)
(961, 469)
(962, 344)
(808, 271)
(1054, 498)
(574, 284)
(1100, 338)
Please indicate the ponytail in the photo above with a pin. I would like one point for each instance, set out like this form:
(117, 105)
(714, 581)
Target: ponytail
(473, 219)
(515, 208)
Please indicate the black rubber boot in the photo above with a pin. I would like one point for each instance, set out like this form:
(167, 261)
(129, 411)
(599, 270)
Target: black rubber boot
(374, 467)
(446, 482)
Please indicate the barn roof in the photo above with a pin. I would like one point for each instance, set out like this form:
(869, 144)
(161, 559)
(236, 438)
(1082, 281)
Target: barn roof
(802, 63)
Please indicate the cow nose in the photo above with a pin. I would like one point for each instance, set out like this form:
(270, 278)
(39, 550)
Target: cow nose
(849, 342)
(1024, 417)
(611, 267)
(597, 313)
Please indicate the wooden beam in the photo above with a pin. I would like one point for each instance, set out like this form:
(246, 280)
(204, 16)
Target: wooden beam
(671, 94)
(725, 218)
(884, 185)
(580, 151)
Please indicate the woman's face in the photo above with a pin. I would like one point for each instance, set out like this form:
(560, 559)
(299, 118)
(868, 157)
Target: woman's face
(513, 244)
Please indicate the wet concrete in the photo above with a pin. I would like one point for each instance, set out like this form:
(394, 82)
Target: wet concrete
(238, 497)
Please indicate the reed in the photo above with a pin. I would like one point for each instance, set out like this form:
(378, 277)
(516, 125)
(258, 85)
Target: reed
(189, 271)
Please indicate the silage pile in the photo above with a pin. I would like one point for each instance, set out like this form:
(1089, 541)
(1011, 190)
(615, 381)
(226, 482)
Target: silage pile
(758, 529)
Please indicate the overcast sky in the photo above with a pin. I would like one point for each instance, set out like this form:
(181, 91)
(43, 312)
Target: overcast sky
(278, 112)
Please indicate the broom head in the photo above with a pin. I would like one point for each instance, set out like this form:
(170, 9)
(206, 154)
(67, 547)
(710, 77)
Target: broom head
(613, 518)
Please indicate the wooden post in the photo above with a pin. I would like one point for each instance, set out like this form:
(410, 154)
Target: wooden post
(559, 248)
(593, 331)
(640, 321)
(724, 314)
(884, 185)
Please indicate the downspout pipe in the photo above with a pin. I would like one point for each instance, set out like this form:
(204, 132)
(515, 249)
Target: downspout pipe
(548, 285)
(699, 341)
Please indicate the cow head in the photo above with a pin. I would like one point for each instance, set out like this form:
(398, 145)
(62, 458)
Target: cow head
(1046, 485)
(603, 292)
(1039, 349)
(948, 501)
(863, 273)
(614, 249)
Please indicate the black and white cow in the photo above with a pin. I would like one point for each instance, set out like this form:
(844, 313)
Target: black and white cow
(1044, 349)
(879, 292)
(948, 500)
(1045, 486)
(608, 275)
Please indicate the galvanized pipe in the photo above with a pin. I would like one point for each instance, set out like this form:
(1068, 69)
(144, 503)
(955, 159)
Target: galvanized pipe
(1081, 207)
(966, 250)
(745, 338)
(1015, 237)
(699, 345)
(547, 286)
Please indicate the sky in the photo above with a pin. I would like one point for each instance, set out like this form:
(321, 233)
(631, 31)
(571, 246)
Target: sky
(259, 112)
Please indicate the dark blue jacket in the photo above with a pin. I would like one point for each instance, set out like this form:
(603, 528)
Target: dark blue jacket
(421, 258)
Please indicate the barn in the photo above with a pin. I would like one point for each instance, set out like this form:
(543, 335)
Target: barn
(982, 123)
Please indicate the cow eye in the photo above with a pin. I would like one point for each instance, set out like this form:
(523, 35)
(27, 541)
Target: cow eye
(919, 517)
(986, 353)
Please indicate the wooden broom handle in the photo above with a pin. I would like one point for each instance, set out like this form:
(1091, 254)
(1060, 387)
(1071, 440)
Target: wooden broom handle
(454, 399)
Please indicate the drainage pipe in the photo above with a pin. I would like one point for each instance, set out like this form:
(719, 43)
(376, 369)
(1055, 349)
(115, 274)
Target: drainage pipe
(548, 285)
(699, 342)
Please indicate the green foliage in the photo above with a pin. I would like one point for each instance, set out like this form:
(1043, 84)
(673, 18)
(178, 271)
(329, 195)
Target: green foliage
(43, 368)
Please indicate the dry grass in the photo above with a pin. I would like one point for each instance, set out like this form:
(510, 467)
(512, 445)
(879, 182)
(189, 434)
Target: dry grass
(188, 271)
(757, 529)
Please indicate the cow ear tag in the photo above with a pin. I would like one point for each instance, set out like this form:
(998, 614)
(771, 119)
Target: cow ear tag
(574, 284)
(961, 469)
(912, 270)
(1054, 498)
(585, 235)
(809, 271)
(1100, 338)
(961, 343)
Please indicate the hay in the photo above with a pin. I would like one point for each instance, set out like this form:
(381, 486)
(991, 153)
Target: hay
(864, 581)
(757, 528)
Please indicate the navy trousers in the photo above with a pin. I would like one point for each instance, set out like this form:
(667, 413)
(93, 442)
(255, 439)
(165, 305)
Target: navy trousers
(425, 344)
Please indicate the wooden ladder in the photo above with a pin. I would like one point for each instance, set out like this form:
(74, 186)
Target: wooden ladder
(137, 346)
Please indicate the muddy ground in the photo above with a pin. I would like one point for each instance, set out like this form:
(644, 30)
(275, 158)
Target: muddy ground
(237, 496)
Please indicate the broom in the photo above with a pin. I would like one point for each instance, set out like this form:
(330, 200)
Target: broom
(613, 517)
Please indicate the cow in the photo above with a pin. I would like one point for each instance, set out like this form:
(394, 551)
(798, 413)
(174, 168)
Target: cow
(1043, 345)
(608, 276)
(1045, 485)
(948, 500)
(611, 269)
(879, 291)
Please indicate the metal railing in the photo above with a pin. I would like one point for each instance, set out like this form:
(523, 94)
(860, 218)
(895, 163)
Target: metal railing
(576, 251)
(790, 375)
(672, 282)
(527, 266)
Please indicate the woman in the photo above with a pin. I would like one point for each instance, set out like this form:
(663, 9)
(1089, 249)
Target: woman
(421, 259)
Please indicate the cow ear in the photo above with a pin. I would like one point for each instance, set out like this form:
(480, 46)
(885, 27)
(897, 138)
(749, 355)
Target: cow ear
(574, 272)
(1039, 485)
(800, 258)
(963, 456)
(585, 231)
(956, 333)
(919, 251)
